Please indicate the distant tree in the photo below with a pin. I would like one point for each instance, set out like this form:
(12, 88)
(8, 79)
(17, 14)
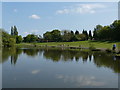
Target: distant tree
(47, 36)
(33, 38)
(98, 27)
(72, 32)
(81, 37)
(19, 39)
(56, 35)
(7, 39)
(66, 37)
(30, 38)
(76, 32)
(95, 35)
(90, 35)
(116, 30)
(12, 31)
(73, 37)
(86, 34)
(15, 31)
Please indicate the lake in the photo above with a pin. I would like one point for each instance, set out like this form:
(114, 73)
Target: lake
(58, 68)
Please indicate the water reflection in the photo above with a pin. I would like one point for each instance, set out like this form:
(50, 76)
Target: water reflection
(82, 81)
(100, 59)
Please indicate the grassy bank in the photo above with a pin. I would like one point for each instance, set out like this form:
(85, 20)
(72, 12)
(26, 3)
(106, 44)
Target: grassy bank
(84, 44)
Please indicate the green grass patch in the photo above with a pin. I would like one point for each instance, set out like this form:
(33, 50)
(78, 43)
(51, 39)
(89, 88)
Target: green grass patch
(84, 44)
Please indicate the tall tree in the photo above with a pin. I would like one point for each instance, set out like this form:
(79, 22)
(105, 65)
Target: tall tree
(72, 32)
(90, 35)
(15, 31)
(76, 32)
(85, 33)
(12, 31)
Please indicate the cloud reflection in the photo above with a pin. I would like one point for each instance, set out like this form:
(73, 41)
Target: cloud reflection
(81, 81)
(35, 71)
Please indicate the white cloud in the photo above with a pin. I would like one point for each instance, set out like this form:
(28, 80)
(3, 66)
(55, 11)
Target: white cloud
(82, 9)
(15, 10)
(34, 16)
(63, 11)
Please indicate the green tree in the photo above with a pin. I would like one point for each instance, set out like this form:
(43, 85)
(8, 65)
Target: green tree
(12, 31)
(66, 37)
(19, 39)
(56, 35)
(30, 38)
(81, 37)
(7, 40)
(15, 31)
(76, 32)
(73, 37)
(90, 35)
(86, 34)
(47, 36)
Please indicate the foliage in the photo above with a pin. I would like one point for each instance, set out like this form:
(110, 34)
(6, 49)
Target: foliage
(7, 40)
(19, 39)
(110, 32)
(56, 35)
(47, 36)
(14, 31)
(86, 34)
(101, 33)
(90, 35)
(76, 32)
(30, 38)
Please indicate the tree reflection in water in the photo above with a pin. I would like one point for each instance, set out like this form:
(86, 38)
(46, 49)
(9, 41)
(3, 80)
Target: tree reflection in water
(100, 59)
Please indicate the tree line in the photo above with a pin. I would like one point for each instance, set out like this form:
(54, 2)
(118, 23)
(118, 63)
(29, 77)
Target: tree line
(110, 32)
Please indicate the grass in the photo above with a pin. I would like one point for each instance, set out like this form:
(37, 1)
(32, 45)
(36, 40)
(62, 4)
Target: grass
(86, 44)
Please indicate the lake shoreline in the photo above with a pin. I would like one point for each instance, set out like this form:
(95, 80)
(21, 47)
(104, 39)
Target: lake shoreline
(70, 47)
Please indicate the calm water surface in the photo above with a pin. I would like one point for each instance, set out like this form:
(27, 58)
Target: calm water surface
(58, 68)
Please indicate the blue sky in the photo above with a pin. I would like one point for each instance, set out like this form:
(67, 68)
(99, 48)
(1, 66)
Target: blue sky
(40, 17)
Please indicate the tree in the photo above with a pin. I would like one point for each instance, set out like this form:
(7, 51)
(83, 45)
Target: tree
(76, 32)
(12, 31)
(90, 35)
(19, 39)
(56, 35)
(47, 36)
(81, 37)
(95, 35)
(73, 38)
(99, 27)
(86, 34)
(116, 30)
(7, 39)
(72, 32)
(30, 38)
(15, 31)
